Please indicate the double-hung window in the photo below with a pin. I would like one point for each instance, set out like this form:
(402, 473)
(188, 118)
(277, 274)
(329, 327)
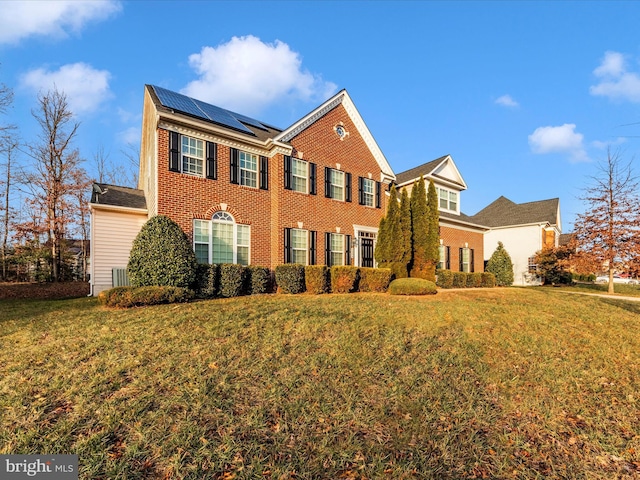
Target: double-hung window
(448, 200)
(466, 259)
(248, 169)
(192, 155)
(299, 175)
(368, 192)
(300, 246)
(336, 246)
(221, 240)
(337, 184)
(443, 257)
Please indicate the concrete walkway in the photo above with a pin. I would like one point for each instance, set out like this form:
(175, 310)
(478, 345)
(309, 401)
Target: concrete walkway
(602, 295)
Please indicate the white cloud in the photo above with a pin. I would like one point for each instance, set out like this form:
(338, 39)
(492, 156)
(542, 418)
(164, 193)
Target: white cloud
(562, 139)
(615, 81)
(21, 19)
(130, 136)
(612, 143)
(246, 75)
(507, 101)
(85, 87)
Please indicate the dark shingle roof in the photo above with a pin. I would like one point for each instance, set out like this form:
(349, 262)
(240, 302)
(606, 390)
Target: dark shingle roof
(117, 196)
(503, 212)
(462, 218)
(416, 172)
(565, 238)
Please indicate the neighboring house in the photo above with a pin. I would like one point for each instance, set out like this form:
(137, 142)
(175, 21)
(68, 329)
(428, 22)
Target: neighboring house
(523, 229)
(247, 192)
(461, 237)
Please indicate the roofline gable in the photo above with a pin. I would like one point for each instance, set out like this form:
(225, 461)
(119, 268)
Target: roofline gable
(341, 98)
(438, 178)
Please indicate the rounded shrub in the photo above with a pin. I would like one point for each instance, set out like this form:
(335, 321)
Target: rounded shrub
(412, 286)
(161, 255)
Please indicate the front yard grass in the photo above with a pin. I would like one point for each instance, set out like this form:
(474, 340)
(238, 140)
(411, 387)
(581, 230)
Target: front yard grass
(503, 383)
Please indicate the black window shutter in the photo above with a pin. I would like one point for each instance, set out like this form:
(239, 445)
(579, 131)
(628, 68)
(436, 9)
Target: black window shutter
(264, 173)
(461, 269)
(327, 249)
(312, 178)
(234, 167)
(212, 161)
(448, 257)
(361, 190)
(377, 194)
(471, 269)
(174, 151)
(347, 187)
(287, 245)
(347, 252)
(287, 172)
(313, 241)
(327, 182)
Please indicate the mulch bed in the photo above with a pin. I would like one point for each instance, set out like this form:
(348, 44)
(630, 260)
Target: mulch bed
(47, 291)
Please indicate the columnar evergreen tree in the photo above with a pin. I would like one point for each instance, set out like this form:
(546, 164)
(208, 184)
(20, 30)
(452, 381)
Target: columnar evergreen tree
(419, 228)
(384, 245)
(402, 243)
(501, 266)
(433, 231)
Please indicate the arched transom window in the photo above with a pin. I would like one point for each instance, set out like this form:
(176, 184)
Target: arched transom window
(221, 240)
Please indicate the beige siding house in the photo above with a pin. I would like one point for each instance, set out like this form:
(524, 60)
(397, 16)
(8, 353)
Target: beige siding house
(117, 215)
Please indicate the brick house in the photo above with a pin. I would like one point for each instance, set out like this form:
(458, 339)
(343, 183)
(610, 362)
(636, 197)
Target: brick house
(461, 237)
(247, 192)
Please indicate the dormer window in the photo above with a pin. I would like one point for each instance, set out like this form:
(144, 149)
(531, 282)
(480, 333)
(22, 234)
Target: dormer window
(448, 200)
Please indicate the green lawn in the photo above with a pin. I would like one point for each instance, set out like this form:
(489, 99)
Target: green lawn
(503, 383)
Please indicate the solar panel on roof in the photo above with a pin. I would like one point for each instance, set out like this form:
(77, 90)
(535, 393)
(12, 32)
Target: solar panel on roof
(179, 102)
(221, 116)
(250, 121)
(205, 111)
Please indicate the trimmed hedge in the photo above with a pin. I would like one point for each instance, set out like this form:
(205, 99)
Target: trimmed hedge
(316, 279)
(344, 279)
(459, 280)
(290, 278)
(488, 280)
(374, 279)
(444, 279)
(412, 286)
(259, 280)
(232, 280)
(207, 280)
(127, 297)
(474, 280)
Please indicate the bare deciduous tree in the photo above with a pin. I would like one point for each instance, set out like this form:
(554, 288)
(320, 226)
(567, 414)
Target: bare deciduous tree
(55, 162)
(610, 227)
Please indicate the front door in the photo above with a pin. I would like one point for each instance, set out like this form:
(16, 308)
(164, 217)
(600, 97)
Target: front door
(366, 252)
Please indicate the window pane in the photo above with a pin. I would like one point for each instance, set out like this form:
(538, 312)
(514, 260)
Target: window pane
(453, 201)
(299, 246)
(201, 231)
(248, 169)
(243, 255)
(243, 235)
(202, 252)
(444, 199)
(222, 243)
(192, 155)
(367, 189)
(441, 258)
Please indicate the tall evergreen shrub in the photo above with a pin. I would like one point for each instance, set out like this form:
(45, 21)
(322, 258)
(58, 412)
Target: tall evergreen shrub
(419, 217)
(433, 231)
(501, 266)
(162, 255)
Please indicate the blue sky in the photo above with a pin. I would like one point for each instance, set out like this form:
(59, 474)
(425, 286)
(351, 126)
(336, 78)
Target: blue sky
(525, 96)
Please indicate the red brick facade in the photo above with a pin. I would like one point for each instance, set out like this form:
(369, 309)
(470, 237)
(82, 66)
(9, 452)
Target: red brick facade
(185, 197)
(456, 239)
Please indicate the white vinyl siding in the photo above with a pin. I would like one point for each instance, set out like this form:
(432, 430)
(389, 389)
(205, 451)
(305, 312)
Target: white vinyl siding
(112, 235)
